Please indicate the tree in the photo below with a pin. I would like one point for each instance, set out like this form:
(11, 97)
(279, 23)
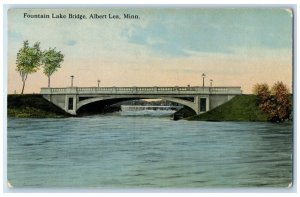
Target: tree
(282, 106)
(262, 91)
(28, 60)
(51, 61)
(275, 102)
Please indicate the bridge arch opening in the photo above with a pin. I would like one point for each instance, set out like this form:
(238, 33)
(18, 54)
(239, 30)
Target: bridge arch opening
(98, 106)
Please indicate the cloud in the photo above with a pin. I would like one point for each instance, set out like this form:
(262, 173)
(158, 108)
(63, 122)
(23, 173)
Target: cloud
(218, 31)
(70, 42)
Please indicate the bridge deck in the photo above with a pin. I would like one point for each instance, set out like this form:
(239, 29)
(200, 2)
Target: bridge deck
(143, 90)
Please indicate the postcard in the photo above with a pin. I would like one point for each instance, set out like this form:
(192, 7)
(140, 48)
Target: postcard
(150, 97)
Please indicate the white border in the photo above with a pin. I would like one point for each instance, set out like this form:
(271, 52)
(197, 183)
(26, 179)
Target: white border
(160, 3)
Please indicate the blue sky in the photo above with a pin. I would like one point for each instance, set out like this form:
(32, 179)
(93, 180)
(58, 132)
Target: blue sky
(175, 46)
(213, 30)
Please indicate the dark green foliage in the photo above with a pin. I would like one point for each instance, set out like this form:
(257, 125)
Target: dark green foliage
(240, 108)
(32, 105)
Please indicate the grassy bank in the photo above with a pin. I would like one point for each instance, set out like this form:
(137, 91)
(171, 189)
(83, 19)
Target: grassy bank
(32, 106)
(240, 108)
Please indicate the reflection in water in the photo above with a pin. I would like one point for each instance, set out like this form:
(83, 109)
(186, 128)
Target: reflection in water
(125, 151)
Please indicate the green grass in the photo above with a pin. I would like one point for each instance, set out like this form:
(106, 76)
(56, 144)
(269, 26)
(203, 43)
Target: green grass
(240, 108)
(32, 106)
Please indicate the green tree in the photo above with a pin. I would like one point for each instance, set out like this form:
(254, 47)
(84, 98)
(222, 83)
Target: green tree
(51, 61)
(28, 60)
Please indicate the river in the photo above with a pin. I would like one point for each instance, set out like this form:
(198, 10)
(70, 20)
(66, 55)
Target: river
(136, 150)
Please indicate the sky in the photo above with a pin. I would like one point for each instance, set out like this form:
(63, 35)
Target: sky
(162, 47)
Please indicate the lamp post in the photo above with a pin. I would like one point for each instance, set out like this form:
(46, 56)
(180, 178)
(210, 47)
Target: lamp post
(211, 82)
(203, 76)
(98, 83)
(72, 77)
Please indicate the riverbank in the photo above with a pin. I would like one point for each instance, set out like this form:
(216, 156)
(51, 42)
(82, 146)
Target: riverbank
(240, 108)
(32, 106)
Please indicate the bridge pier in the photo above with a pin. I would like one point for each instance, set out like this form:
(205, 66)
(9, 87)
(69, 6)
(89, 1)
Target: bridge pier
(202, 104)
(71, 104)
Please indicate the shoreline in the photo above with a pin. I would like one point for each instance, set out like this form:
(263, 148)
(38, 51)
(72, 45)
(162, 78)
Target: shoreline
(241, 108)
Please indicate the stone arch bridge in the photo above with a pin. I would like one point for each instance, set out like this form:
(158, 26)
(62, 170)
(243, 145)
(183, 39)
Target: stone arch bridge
(199, 99)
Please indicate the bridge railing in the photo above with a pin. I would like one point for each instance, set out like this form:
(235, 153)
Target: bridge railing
(143, 90)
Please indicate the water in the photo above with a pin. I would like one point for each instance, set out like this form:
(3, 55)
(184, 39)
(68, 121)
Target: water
(125, 151)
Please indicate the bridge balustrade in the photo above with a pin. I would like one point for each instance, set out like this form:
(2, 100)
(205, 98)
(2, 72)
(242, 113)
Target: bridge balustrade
(142, 90)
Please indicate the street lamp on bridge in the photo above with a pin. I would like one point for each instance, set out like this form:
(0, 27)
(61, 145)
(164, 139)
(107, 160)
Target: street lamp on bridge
(203, 76)
(211, 82)
(72, 77)
(98, 83)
